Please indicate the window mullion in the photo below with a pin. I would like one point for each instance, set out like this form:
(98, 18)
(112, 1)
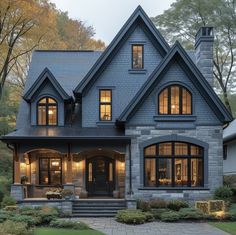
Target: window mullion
(180, 101)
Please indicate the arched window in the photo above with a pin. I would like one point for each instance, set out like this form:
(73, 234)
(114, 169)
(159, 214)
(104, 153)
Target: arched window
(47, 112)
(175, 100)
(173, 164)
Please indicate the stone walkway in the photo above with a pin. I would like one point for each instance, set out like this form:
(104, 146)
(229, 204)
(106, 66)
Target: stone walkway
(110, 227)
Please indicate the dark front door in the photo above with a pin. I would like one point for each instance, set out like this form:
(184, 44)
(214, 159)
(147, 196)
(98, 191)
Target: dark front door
(100, 176)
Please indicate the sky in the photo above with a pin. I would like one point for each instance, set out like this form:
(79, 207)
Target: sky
(108, 16)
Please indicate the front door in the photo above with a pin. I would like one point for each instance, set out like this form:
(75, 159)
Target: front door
(100, 176)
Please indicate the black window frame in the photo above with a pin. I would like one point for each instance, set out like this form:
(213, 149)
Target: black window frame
(104, 103)
(49, 171)
(225, 152)
(169, 100)
(173, 157)
(132, 57)
(46, 105)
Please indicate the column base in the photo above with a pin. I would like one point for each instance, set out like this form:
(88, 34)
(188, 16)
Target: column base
(17, 192)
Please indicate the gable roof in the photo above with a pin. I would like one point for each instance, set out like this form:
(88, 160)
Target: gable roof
(196, 77)
(68, 67)
(138, 16)
(44, 76)
(229, 132)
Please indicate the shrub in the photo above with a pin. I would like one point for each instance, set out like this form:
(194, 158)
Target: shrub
(133, 216)
(158, 203)
(4, 215)
(176, 205)
(47, 214)
(8, 201)
(169, 216)
(14, 228)
(158, 212)
(232, 212)
(223, 193)
(61, 223)
(191, 214)
(143, 205)
(29, 220)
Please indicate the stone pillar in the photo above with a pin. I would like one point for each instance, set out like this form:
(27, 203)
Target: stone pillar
(16, 161)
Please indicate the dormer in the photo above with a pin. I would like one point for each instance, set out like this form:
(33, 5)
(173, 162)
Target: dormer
(47, 100)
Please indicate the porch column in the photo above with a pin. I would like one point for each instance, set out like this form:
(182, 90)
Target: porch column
(69, 166)
(16, 160)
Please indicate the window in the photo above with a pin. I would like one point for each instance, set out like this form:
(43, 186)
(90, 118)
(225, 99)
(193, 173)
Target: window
(225, 150)
(47, 112)
(137, 56)
(105, 105)
(173, 164)
(174, 100)
(50, 171)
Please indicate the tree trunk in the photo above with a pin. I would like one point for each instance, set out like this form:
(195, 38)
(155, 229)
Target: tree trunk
(226, 101)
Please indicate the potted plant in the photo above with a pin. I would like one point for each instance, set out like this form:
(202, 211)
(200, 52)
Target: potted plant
(67, 193)
(24, 179)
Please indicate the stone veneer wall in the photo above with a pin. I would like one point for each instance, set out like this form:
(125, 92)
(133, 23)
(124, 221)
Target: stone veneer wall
(211, 135)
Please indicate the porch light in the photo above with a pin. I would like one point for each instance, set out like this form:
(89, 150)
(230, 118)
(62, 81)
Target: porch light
(22, 166)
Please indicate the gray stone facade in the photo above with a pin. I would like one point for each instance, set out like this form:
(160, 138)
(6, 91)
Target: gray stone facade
(210, 137)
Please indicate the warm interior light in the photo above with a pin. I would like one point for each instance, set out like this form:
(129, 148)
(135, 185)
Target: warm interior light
(122, 164)
(50, 112)
(173, 106)
(22, 165)
(55, 163)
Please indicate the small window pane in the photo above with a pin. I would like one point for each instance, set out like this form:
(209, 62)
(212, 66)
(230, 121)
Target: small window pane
(181, 172)
(52, 115)
(196, 172)
(55, 177)
(163, 102)
(164, 172)
(105, 112)
(181, 149)
(105, 96)
(150, 172)
(174, 100)
(51, 101)
(43, 101)
(44, 179)
(137, 54)
(42, 115)
(150, 151)
(44, 164)
(195, 150)
(186, 102)
(165, 149)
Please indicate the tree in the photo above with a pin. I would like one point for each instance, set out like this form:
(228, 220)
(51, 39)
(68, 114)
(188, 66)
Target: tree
(183, 20)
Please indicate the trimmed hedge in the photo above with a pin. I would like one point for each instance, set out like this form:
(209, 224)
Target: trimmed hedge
(191, 214)
(14, 228)
(223, 193)
(170, 216)
(176, 205)
(61, 223)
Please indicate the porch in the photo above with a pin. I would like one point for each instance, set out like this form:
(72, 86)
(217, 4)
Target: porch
(89, 173)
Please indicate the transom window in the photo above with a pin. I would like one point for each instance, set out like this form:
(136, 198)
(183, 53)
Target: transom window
(50, 171)
(105, 105)
(47, 112)
(175, 99)
(173, 164)
(137, 56)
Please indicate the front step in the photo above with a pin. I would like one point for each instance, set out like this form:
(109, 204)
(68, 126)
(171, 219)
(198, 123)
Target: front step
(97, 207)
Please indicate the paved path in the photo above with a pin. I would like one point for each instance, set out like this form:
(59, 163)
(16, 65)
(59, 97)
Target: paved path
(110, 227)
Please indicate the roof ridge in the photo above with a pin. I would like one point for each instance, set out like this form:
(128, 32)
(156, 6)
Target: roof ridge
(62, 50)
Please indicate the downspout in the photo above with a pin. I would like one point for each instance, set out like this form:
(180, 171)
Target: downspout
(130, 171)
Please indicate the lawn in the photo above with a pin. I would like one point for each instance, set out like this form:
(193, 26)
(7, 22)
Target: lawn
(55, 231)
(229, 227)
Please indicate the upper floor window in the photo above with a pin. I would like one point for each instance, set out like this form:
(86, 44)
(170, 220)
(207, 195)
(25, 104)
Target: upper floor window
(47, 112)
(137, 56)
(175, 99)
(105, 105)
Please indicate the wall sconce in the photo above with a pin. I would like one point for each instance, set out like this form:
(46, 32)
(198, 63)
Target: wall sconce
(22, 166)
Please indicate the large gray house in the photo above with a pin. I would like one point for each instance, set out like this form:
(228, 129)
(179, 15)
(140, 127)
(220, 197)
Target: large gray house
(139, 120)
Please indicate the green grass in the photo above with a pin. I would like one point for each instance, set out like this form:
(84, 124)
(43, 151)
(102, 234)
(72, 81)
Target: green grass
(58, 231)
(229, 227)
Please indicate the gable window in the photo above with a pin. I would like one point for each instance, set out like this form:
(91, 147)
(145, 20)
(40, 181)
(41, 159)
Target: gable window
(105, 105)
(137, 56)
(47, 112)
(173, 164)
(50, 171)
(175, 100)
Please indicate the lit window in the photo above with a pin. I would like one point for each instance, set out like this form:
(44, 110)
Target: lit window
(137, 56)
(50, 171)
(47, 112)
(105, 105)
(175, 100)
(175, 164)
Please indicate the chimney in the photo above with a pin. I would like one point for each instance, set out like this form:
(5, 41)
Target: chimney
(204, 40)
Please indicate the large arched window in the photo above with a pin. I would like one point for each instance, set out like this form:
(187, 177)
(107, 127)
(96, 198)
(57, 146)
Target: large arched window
(175, 100)
(173, 164)
(47, 112)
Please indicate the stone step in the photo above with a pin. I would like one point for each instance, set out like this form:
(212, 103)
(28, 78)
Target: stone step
(98, 207)
(93, 215)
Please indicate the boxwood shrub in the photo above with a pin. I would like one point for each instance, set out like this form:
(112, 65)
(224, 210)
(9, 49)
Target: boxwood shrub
(191, 214)
(176, 205)
(14, 228)
(170, 216)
